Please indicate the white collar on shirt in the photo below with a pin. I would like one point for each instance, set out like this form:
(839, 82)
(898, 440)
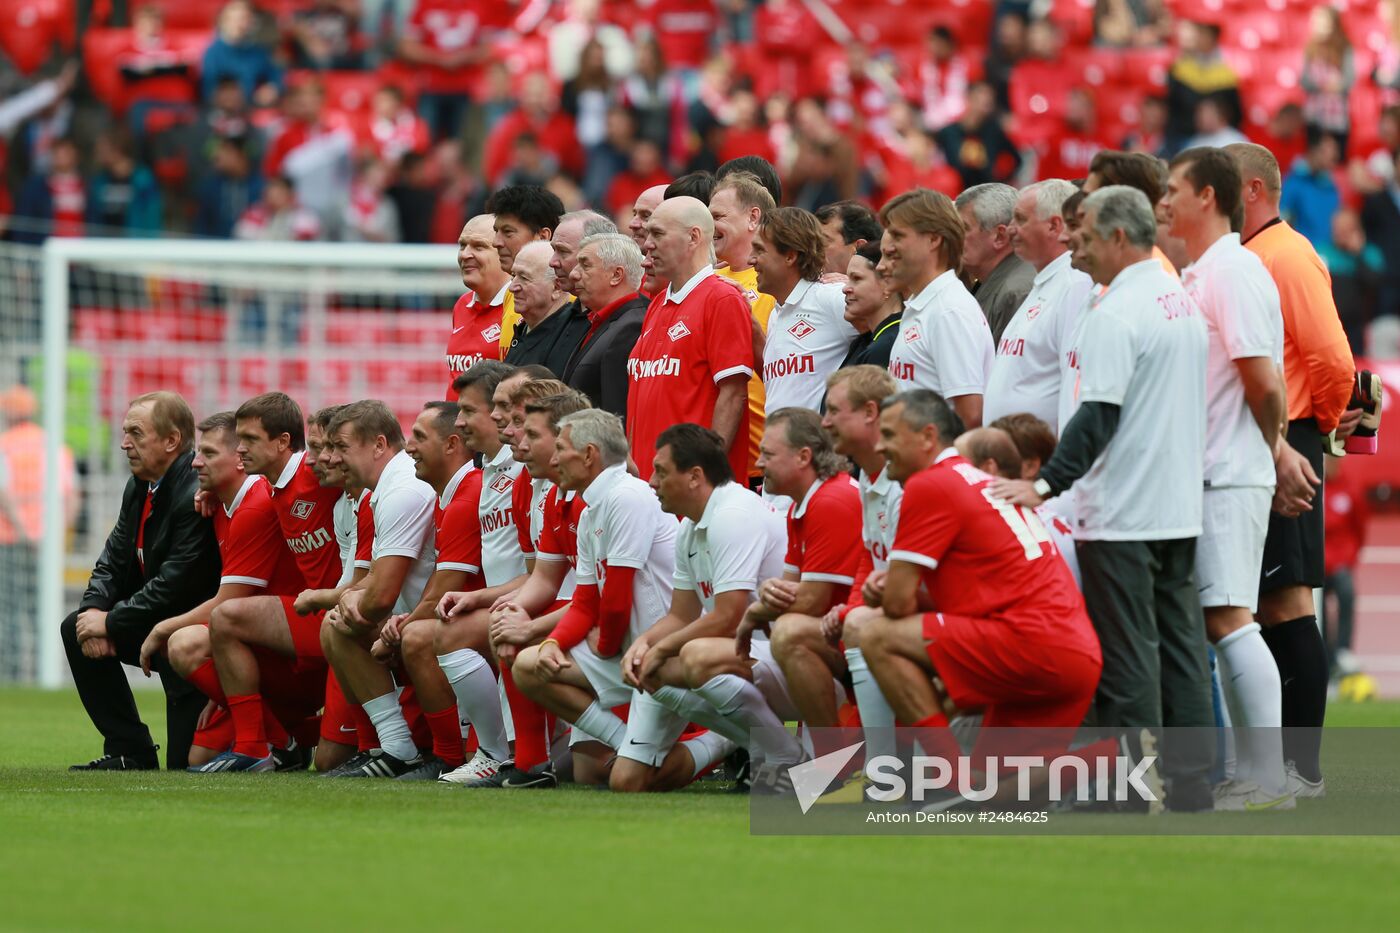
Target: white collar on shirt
(248, 483)
(290, 470)
(679, 295)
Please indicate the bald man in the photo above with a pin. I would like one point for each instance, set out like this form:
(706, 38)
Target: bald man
(551, 324)
(695, 356)
(993, 451)
(636, 227)
(479, 316)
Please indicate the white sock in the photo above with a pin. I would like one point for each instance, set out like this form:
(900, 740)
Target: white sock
(602, 724)
(691, 707)
(394, 735)
(506, 718)
(707, 748)
(478, 699)
(1256, 703)
(876, 717)
(740, 703)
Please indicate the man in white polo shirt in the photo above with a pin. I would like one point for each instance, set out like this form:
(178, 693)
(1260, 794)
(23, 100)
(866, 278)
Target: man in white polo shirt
(1138, 498)
(1025, 375)
(944, 342)
(808, 334)
(462, 638)
(626, 552)
(1245, 408)
(365, 437)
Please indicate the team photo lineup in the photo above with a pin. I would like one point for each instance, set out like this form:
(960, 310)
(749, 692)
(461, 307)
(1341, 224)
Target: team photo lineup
(742, 465)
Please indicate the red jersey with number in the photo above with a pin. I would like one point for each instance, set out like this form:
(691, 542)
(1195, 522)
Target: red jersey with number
(250, 543)
(824, 535)
(686, 348)
(305, 511)
(457, 526)
(476, 336)
(985, 558)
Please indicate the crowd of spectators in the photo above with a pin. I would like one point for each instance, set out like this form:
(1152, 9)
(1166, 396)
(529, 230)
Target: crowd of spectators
(392, 120)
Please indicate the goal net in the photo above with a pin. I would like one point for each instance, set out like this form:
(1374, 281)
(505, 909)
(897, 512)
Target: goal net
(88, 324)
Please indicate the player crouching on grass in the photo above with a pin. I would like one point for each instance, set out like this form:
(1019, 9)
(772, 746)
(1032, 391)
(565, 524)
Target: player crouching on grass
(626, 550)
(443, 460)
(244, 523)
(367, 442)
(979, 612)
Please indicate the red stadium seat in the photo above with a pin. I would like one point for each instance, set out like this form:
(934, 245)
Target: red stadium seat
(29, 29)
(1147, 68)
(1038, 91)
(1097, 68)
(347, 91)
(190, 14)
(1075, 19)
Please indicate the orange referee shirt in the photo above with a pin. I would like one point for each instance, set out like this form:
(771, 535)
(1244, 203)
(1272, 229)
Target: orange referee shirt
(1317, 364)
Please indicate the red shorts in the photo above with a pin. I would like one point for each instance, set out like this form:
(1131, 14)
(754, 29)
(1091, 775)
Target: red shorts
(305, 629)
(986, 664)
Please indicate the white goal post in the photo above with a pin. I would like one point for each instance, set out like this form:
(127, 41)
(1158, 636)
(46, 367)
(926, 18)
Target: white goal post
(221, 321)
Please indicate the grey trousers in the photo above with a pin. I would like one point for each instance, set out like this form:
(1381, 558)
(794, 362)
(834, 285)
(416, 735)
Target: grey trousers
(1142, 598)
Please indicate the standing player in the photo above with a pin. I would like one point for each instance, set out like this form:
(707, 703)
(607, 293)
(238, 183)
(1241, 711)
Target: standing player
(1025, 374)
(646, 202)
(809, 333)
(478, 316)
(978, 608)
(443, 461)
(366, 441)
(846, 227)
(1319, 373)
(695, 355)
(520, 213)
(944, 343)
(607, 277)
(823, 555)
(625, 555)
(737, 205)
(1133, 453)
(1245, 411)
(462, 639)
(271, 443)
(253, 560)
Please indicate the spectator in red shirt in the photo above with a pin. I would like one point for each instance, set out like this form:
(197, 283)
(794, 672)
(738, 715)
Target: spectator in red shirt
(684, 30)
(54, 203)
(645, 171)
(155, 75)
(448, 41)
(538, 113)
(394, 129)
(1150, 135)
(1070, 151)
(1286, 136)
(745, 133)
(940, 82)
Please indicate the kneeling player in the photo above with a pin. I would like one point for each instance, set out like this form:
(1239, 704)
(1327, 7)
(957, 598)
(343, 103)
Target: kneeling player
(626, 548)
(1003, 627)
(254, 561)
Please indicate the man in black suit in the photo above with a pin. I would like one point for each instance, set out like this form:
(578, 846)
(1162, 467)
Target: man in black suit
(606, 278)
(160, 560)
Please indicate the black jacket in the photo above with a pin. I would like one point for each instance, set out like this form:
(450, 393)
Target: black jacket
(552, 342)
(599, 367)
(182, 557)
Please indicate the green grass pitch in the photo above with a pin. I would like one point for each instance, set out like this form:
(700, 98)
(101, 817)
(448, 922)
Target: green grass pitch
(155, 851)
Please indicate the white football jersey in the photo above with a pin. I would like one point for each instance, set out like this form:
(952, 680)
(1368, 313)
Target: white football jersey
(501, 557)
(622, 525)
(944, 343)
(403, 526)
(808, 337)
(738, 542)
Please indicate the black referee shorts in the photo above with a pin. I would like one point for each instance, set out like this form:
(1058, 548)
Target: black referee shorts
(1293, 546)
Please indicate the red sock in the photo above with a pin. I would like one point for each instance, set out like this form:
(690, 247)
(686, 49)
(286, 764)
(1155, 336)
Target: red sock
(276, 733)
(249, 734)
(447, 736)
(206, 678)
(531, 739)
(365, 733)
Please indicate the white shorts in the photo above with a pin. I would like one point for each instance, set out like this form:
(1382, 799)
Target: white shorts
(1234, 521)
(604, 674)
(770, 680)
(652, 730)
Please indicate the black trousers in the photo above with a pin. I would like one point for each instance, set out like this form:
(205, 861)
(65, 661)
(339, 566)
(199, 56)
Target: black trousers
(106, 695)
(1141, 596)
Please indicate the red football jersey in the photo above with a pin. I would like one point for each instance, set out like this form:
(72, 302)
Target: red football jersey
(364, 532)
(457, 527)
(476, 336)
(824, 542)
(521, 496)
(684, 350)
(305, 511)
(250, 543)
(985, 558)
(560, 535)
